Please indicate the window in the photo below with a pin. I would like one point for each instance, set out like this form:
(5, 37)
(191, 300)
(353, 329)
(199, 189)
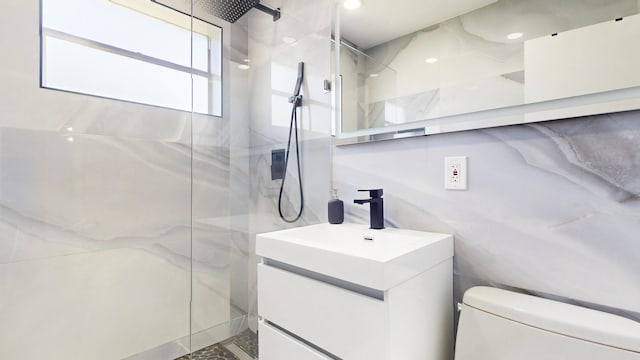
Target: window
(132, 50)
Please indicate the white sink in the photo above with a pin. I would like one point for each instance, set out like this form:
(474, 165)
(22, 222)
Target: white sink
(378, 259)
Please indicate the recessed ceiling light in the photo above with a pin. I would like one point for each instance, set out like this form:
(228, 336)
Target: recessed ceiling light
(514, 36)
(373, 75)
(243, 67)
(352, 4)
(289, 40)
(431, 60)
(247, 61)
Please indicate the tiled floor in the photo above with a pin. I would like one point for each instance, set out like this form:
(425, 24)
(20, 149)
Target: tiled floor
(245, 342)
(213, 352)
(248, 342)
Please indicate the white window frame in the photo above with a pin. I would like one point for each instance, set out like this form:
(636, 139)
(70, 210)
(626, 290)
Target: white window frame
(46, 33)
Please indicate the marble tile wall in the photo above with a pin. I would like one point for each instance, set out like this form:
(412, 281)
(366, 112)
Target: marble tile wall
(96, 217)
(239, 167)
(271, 81)
(552, 208)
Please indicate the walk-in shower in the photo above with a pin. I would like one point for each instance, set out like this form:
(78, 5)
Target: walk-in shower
(115, 194)
(134, 173)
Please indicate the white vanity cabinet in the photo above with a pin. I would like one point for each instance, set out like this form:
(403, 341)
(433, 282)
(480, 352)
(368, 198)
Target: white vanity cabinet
(346, 292)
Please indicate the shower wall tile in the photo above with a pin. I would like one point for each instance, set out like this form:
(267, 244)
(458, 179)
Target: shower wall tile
(211, 242)
(552, 208)
(97, 224)
(79, 306)
(264, 191)
(271, 81)
(239, 167)
(239, 207)
(67, 307)
(64, 193)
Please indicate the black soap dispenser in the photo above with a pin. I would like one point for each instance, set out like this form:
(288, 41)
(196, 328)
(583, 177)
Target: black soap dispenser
(336, 209)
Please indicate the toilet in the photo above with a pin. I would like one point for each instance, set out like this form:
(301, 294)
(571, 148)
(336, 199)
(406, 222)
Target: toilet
(497, 324)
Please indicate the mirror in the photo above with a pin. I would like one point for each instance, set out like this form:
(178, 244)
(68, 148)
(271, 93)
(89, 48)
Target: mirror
(415, 67)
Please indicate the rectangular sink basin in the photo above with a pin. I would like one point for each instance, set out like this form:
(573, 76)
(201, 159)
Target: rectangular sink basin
(377, 259)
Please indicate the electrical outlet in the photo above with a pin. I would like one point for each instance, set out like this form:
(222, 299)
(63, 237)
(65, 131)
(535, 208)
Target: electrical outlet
(455, 173)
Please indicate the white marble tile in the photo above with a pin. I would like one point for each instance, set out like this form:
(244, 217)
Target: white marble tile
(79, 306)
(239, 271)
(271, 80)
(90, 193)
(101, 199)
(61, 197)
(551, 207)
(172, 350)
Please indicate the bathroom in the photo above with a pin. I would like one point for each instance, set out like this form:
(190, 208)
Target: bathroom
(129, 217)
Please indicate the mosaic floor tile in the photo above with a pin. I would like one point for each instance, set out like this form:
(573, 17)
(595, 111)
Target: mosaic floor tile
(248, 342)
(213, 352)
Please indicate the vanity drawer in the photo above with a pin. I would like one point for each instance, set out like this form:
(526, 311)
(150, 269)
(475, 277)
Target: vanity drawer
(276, 345)
(342, 322)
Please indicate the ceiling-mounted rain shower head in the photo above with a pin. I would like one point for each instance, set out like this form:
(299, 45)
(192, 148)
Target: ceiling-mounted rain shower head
(232, 10)
(227, 10)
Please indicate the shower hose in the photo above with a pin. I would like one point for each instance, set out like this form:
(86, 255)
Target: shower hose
(293, 127)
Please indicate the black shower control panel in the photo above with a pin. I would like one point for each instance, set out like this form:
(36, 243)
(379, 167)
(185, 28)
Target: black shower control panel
(277, 164)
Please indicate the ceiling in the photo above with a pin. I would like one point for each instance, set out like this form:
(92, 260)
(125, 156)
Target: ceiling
(379, 21)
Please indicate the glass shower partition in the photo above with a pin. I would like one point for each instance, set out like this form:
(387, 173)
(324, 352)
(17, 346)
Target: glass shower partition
(116, 238)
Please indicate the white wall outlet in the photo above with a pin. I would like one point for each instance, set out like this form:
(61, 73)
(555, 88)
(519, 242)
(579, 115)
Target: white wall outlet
(455, 173)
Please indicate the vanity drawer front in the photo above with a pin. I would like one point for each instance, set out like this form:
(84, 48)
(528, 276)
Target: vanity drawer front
(276, 345)
(341, 322)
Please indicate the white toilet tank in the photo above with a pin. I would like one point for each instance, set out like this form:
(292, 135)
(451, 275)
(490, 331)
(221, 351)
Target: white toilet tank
(497, 324)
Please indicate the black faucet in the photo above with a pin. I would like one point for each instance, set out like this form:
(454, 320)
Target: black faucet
(376, 208)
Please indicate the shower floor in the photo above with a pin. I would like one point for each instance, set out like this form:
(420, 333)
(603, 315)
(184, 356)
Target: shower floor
(243, 346)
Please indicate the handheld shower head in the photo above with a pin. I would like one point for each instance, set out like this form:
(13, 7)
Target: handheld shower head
(296, 98)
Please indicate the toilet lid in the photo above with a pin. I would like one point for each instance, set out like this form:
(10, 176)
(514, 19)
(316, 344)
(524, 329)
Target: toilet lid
(565, 319)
